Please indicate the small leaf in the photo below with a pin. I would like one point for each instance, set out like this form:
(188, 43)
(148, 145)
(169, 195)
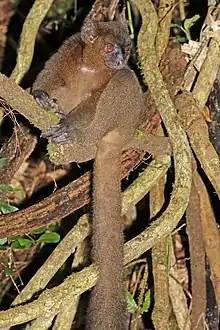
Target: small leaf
(180, 39)
(6, 208)
(17, 245)
(38, 230)
(13, 238)
(3, 247)
(3, 241)
(131, 303)
(2, 161)
(8, 271)
(7, 187)
(147, 302)
(49, 238)
(189, 22)
(25, 242)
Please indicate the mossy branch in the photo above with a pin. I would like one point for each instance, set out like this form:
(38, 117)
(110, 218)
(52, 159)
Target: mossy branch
(208, 73)
(197, 131)
(25, 104)
(163, 33)
(50, 299)
(43, 322)
(57, 258)
(167, 110)
(28, 36)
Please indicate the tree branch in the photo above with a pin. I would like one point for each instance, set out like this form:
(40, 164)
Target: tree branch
(25, 104)
(27, 40)
(178, 139)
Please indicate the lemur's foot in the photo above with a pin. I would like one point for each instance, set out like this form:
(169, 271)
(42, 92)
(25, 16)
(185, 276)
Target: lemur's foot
(48, 104)
(59, 134)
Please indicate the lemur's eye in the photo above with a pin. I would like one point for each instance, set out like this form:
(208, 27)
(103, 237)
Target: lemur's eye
(109, 48)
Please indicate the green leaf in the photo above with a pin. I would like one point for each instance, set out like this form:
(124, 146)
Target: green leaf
(25, 242)
(180, 39)
(189, 22)
(6, 208)
(39, 230)
(17, 245)
(3, 241)
(147, 302)
(131, 303)
(7, 187)
(14, 238)
(3, 247)
(49, 238)
(8, 271)
(21, 243)
(2, 161)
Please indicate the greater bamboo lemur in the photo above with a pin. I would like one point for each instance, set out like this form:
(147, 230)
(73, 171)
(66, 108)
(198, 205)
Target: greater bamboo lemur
(101, 100)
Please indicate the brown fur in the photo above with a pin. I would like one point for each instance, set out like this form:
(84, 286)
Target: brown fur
(107, 301)
(77, 70)
(103, 110)
(110, 111)
(118, 120)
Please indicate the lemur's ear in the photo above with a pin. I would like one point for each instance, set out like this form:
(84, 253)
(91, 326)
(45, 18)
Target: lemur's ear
(89, 31)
